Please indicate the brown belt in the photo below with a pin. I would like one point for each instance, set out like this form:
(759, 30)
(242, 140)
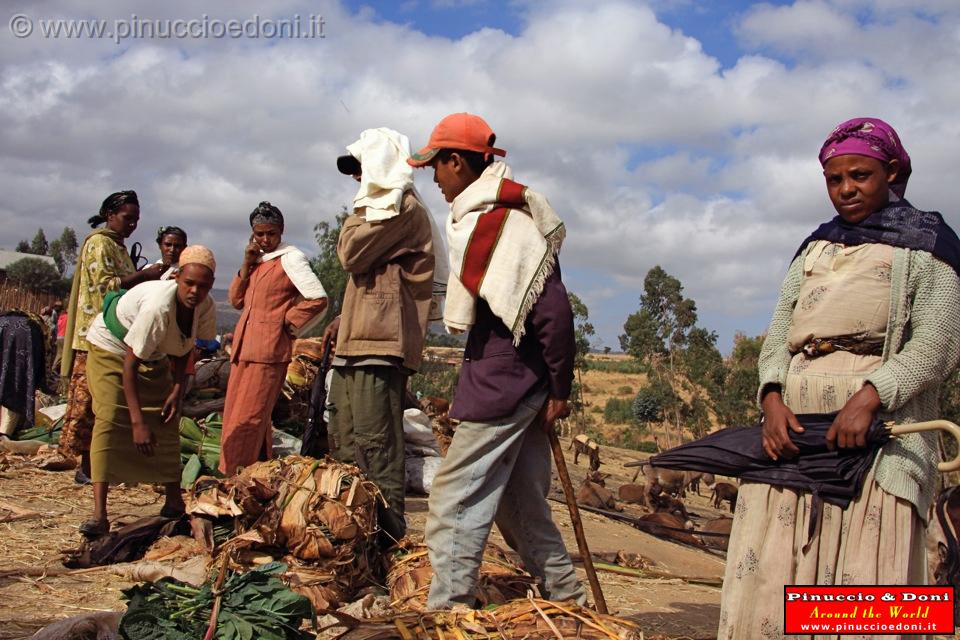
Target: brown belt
(822, 346)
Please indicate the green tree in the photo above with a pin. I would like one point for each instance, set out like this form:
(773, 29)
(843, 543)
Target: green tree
(327, 265)
(36, 274)
(618, 411)
(664, 320)
(647, 406)
(697, 416)
(736, 404)
(658, 336)
(68, 246)
(23, 247)
(701, 360)
(583, 330)
(39, 246)
(444, 339)
(56, 252)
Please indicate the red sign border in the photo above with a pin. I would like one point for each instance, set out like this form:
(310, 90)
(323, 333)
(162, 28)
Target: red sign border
(953, 609)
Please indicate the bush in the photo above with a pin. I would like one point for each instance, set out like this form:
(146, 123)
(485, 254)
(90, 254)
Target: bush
(625, 391)
(596, 409)
(632, 438)
(647, 447)
(435, 379)
(616, 366)
(596, 436)
(647, 406)
(618, 411)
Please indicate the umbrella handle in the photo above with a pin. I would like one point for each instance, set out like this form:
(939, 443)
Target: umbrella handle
(933, 425)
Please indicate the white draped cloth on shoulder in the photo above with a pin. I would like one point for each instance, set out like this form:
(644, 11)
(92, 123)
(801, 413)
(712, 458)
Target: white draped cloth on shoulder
(503, 242)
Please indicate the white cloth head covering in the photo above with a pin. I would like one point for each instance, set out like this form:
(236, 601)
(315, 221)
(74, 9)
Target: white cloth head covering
(386, 175)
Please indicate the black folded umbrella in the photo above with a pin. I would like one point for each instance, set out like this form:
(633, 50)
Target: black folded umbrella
(315, 441)
(835, 476)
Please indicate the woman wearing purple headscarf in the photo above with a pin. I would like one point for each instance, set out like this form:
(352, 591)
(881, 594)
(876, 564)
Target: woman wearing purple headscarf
(866, 325)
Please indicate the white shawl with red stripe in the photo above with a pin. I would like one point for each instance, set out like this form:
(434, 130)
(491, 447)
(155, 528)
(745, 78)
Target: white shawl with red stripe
(503, 241)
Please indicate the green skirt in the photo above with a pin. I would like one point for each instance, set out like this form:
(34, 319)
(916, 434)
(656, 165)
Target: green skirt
(113, 456)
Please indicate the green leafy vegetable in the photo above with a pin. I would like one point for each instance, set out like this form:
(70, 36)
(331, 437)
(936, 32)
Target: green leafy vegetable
(255, 604)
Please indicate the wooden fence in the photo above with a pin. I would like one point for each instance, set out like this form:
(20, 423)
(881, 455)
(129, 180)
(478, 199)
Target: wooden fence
(14, 297)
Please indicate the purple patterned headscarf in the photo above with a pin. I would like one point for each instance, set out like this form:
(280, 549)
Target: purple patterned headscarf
(899, 223)
(873, 138)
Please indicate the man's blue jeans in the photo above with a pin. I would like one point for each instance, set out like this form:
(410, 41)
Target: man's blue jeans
(497, 471)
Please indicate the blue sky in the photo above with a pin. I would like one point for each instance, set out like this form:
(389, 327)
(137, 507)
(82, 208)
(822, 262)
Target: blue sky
(709, 21)
(675, 133)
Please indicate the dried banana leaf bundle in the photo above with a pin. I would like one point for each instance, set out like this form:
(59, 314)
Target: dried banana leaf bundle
(529, 619)
(409, 574)
(319, 515)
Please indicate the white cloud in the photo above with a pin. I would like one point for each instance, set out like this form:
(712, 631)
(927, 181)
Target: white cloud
(205, 129)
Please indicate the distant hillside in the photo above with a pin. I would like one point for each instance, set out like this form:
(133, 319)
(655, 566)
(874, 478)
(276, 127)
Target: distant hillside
(227, 316)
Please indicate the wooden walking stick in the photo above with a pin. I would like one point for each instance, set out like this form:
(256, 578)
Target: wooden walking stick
(571, 497)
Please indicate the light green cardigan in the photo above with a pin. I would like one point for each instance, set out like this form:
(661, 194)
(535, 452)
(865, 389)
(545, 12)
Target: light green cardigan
(922, 348)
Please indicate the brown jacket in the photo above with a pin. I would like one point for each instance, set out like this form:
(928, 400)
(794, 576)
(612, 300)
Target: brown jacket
(390, 264)
(272, 309)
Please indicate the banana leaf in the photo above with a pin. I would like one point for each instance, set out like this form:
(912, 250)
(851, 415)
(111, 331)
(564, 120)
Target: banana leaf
(191, 471)
(47, 433)
(202, 440)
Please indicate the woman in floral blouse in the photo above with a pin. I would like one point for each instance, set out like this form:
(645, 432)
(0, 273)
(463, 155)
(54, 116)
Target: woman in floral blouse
(103, 265)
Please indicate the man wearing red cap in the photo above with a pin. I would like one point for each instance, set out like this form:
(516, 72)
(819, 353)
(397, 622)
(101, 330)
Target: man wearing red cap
(505, 289)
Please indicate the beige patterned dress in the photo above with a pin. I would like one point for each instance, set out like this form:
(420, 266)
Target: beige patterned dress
(878, 539)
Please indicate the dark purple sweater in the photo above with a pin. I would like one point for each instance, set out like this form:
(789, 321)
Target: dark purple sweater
(496, 376)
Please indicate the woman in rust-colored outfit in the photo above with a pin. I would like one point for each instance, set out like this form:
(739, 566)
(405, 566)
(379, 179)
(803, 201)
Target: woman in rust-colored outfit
(280, 296)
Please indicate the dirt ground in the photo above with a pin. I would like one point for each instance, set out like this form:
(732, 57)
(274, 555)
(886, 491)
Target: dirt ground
(682, 601)
(35, 588)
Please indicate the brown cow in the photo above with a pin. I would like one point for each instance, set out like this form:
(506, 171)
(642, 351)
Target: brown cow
(633, 494)
(593, 495)
(724, 491)
(664, 503)
(667, 525)
(598, 478)
(723, 524)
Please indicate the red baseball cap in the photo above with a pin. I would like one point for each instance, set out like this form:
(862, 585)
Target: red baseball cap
(463, 131)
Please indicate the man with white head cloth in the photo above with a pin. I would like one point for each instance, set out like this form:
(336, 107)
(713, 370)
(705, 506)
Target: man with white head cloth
(397, 266)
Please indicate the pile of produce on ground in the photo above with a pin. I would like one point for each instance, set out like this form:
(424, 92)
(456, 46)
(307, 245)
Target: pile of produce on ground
(409, 574)
(529, 619)
(318, 515)
(255, 604)
(199, 447)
